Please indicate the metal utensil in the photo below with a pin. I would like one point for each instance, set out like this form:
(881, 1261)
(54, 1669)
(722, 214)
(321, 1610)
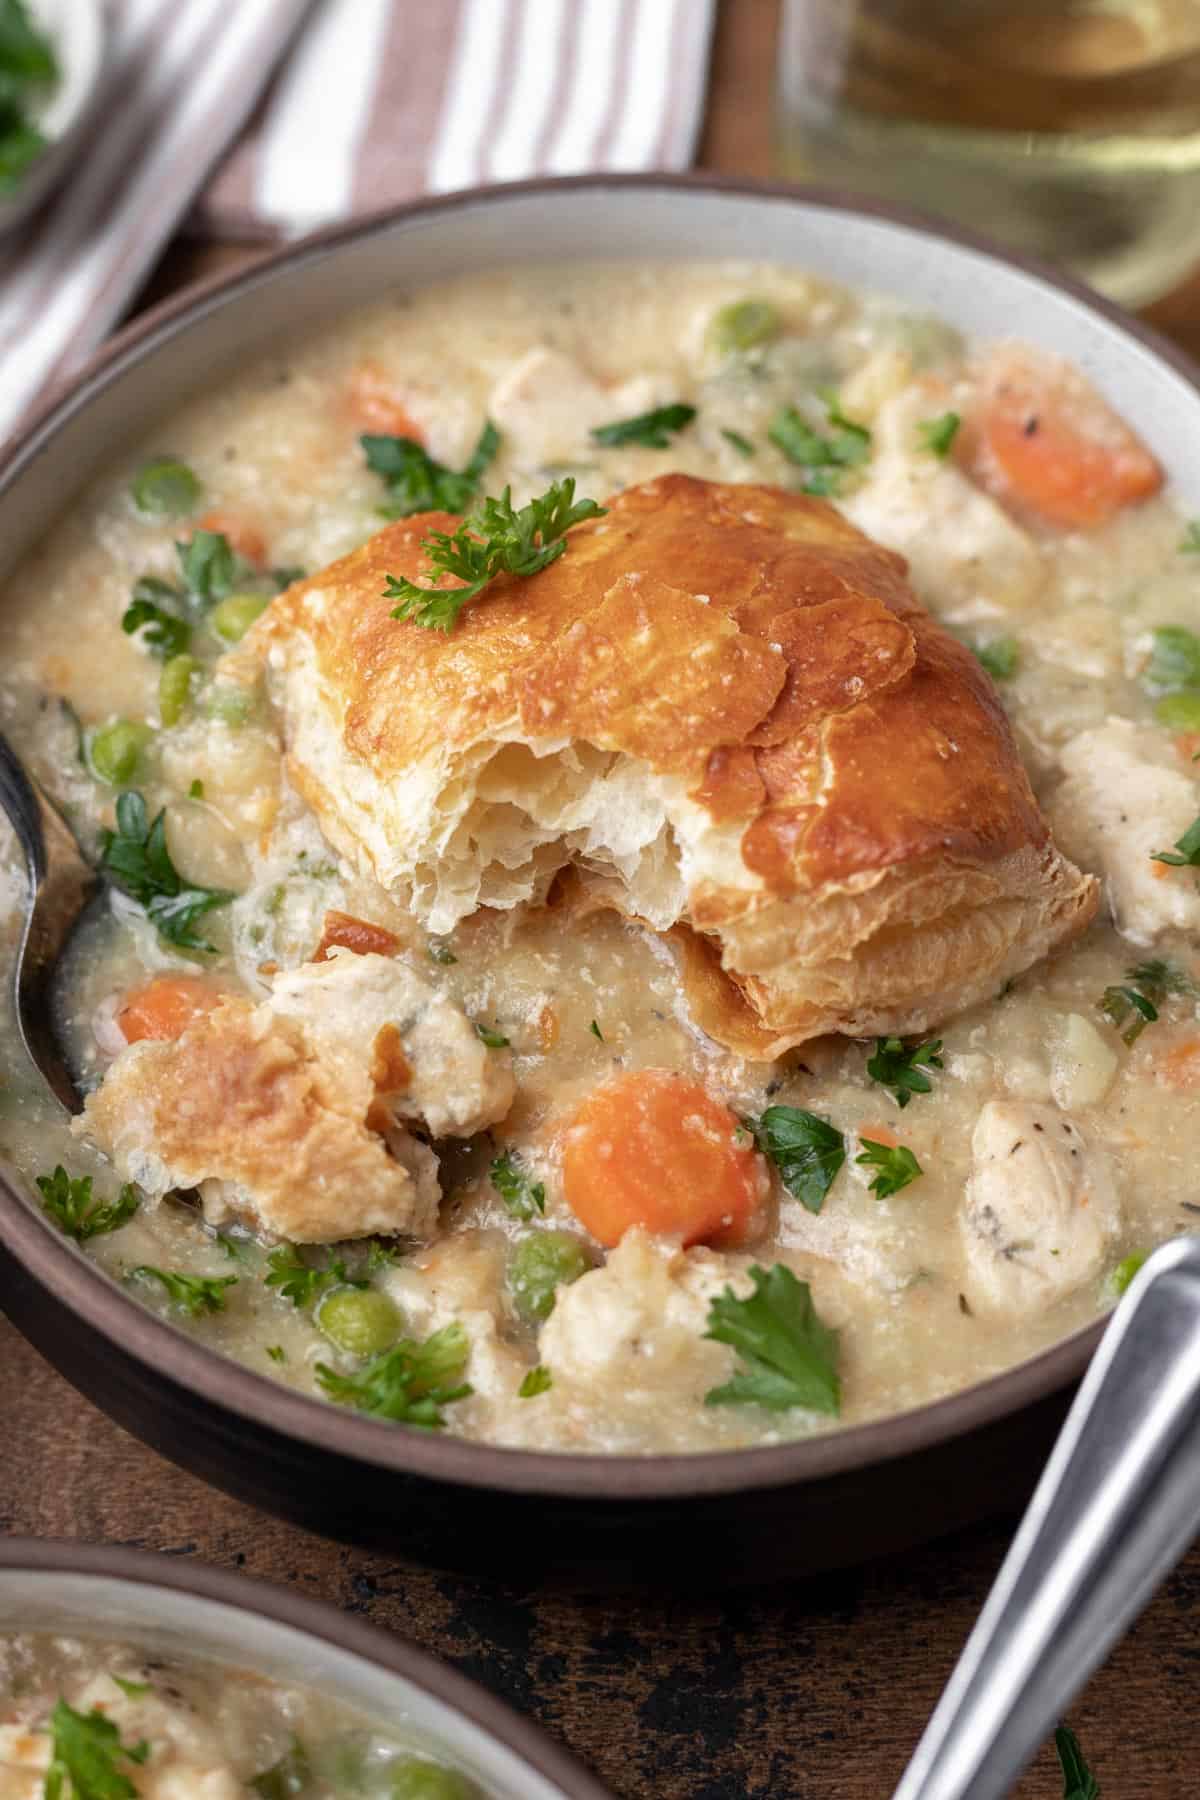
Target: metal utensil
(61, 884)
(1116, 1508)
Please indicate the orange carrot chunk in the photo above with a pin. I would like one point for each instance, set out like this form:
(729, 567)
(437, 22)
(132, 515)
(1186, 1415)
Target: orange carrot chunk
(376, 404)
(653, 1148)
(165, 1007)
(1045, 442)
(243, 536)
(346, 932)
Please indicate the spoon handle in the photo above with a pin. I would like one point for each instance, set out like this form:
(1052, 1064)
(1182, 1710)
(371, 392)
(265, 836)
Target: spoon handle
(1117, 1506)
(19, 800)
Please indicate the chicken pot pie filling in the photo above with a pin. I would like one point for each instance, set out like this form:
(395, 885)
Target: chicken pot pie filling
(651, 830)
(85, 1717)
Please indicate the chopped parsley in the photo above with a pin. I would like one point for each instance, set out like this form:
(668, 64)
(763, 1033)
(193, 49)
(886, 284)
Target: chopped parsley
(70, 1204)
(28, 68)
(416, 483)
(136, 859)
(789, 1358)
(193, 1294)
(903, 1071)
(653, 430)
(495, 1040)
(1186, 854)
(496, 540)
(1189, 544)
(806, 1149)
(596, 1032)
(301, 1282)
(742, 445)
(409, 1383)
(535, 1382)
(1174, 661)
(1000, 657)
(937, 435)
(164, 632)
(894, 1166)
(1130, 1008)
(827, 460)
(522, 1197)
(277, 1353)
(210, 571)
(85, 1751)
(1078, 1781)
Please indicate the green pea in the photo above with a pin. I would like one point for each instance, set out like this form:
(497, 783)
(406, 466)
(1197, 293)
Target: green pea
(115, 749)
(1120, 1277)
(361, 1321)
(1181, 711)
(541, 1262)
(231, 704)
(165, 488)
(412, 1778)
(175, 687)
(743, 325)
(234, 615)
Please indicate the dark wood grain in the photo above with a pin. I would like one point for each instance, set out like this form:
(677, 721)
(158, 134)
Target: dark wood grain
(813, 1692)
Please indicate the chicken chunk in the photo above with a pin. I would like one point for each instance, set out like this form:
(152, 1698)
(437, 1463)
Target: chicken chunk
(1039, 1208)
(546, 405)
(1124, 798)
(969, 560)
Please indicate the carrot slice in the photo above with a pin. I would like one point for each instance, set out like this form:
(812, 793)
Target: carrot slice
(346, 932)
(1180, 1067)
(243, 536)
(1045, 441)
(375, 403)
(165, 1007)
(653, 1148)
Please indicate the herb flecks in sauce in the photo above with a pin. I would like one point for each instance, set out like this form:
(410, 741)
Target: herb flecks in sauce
(903, 1070)
(410, 1383)
(938, 435)
(523, 1197)
(85, 1757)
(417, 484)
(827, 460)
(70, 1204)
(894, 1165)
(789, 1356)
(192, 1294)
(136, 859)
(806, 1149)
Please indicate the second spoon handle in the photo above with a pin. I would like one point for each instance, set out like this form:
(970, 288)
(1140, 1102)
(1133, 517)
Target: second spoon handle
(1117, 1506)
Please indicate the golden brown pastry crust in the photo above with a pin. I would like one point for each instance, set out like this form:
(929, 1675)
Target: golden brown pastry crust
(853, 831)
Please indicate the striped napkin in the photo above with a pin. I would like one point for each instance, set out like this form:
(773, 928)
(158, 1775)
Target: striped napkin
(372, 101)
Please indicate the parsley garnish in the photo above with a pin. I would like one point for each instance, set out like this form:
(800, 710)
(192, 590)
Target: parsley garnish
(827, 459)
(742, 445)
(654, 430)
(132, 1690)
(1000, 657)
(806, 1149)
(209, 567)
(789, 1356)
(522, 1197)
(596, 1032)
(535, 1382)
(1190, 542)
(1186, 854)
(136, 857)
(1078, 1781)
(27, 64)
(299, 1281)
(193, 1294)
(496, 540)
(85, 1750)
(1174, 660)
(903, 1071)
(164, 633)
(1159, 978)
(211, 571)
(417, 484)
(494, 1040)
(1131, 1008)
(895, 1167)
(277, 1353)
(409, 1383)
(70, 1204)
(937, 435)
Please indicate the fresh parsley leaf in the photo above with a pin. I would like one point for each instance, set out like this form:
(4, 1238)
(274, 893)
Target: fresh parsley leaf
(1129, 1010)
(1190, 542)
(132, 1690)
(1000, 657)
(1174, 660)
(806, 1149)
(382, 1256)
(417, 484)
(410, 1383)
(493, 1039)
(937, 435)
(789, 1356)
(535, 1382)
(654, 430)
(193, 1294)
(300, 1282)
(1186, 854)
(742, 445)
(496, 540)
(136, 858)
(85, 1749)
(209, 567)
(1158, 978)
(277, 1353)
(827, 459)
(70, 1204)
(234, 1250)
(290, 1775)
(164, 633)
(27, 64)
(903, 1071)
(895, 1167)
(596, 1032)
(522, 1197)
(1078, 1781)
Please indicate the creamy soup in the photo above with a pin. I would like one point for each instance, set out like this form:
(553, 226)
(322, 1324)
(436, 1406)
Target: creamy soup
(79, 1716)
(920, 1214)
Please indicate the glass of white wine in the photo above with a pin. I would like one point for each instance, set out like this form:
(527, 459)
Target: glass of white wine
(1069, 128)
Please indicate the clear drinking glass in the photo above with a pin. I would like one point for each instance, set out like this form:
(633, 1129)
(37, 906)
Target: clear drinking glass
(1070, 128)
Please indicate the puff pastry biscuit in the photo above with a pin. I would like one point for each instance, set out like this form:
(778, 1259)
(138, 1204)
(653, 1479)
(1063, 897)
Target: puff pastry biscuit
(726, 709)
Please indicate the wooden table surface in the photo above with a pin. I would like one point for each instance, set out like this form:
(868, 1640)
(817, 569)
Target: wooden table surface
(810, 1692)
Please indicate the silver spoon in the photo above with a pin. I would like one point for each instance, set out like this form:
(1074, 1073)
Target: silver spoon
(1116, 1508)
(61, 883)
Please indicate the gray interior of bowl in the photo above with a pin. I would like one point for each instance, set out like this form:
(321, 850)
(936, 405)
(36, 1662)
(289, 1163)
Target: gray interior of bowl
(167, 1622)
(980, 294)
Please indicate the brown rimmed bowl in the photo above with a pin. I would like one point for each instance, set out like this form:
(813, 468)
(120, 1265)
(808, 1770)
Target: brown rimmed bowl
(728, 1517)
(199, 1614)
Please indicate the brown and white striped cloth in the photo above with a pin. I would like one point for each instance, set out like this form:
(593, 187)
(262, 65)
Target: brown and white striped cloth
(260, 119)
